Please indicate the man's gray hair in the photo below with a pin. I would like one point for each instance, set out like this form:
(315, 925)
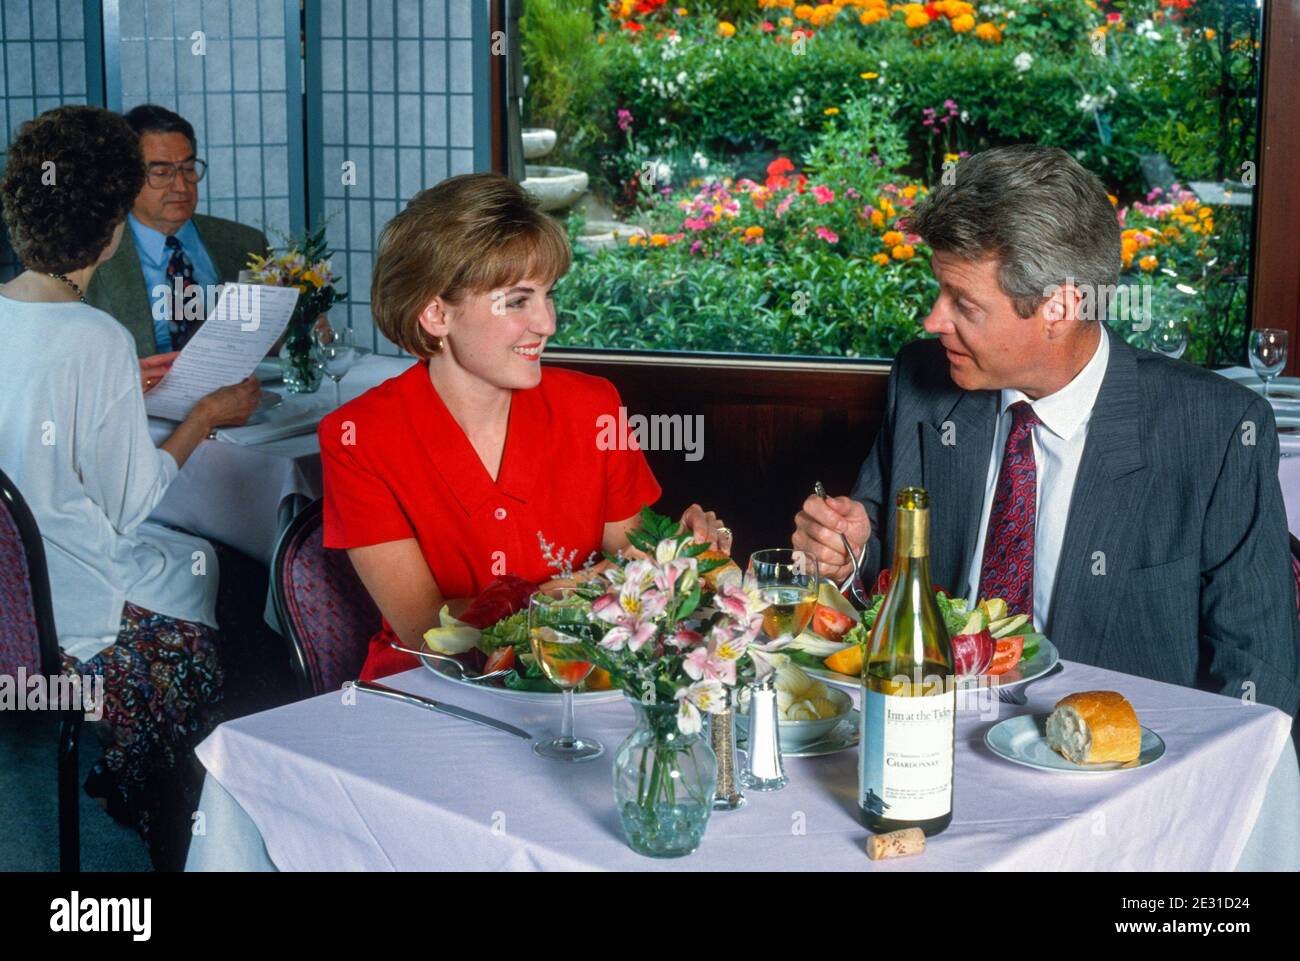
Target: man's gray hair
(1046, 219)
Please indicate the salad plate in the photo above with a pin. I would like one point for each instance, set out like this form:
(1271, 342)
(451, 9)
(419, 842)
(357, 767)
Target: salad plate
(1035, 666)
(538, 697)
(845, 735)
(1023, 740)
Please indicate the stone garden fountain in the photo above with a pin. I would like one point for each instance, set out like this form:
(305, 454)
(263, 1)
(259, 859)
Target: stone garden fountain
(556, 189)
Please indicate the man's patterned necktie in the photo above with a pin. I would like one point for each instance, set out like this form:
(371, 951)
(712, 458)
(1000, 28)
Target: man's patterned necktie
(1008, 569)
(178, 265)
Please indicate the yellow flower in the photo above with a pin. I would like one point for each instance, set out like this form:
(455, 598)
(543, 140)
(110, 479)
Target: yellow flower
(917, 19)
(831, 111)
(877, 219)
(658, 240)
(1171, 233)
(891, 238)
(874, 15)
(882, 259)
(1209, 33)
(951, 158)
(313, 278)
(868, 75)
(989, 33)
(635, 240)
(1149, 263)
(726, 29)
(962, 24)
(787, 22)
(1205, 213)
(903, 252)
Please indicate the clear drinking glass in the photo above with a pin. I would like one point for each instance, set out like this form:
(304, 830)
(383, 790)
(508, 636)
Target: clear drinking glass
(557, 619)
(787, 581)
(1169, 337)
(338, 352)
(1268, 353)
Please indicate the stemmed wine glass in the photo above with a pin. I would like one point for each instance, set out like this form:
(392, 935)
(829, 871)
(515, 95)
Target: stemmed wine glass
(557, 620)
(1267, 353)
(338, 352)
(786, 580)
(1169, 337)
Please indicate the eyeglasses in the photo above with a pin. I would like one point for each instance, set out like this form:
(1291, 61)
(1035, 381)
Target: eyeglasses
(163, 174)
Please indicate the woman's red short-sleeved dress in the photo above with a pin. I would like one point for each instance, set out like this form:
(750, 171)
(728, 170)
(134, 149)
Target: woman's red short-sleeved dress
(397, 466)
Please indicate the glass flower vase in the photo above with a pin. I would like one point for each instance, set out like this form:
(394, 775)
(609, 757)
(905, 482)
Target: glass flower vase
(299, 363)
(663, 783)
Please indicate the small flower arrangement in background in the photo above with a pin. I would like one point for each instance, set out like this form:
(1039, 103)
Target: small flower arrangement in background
(305, 264)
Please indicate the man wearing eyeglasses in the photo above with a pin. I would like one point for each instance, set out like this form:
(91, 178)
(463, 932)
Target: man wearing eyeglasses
(174, 251)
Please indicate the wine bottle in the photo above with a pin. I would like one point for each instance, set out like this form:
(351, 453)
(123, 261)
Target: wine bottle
(909, 695)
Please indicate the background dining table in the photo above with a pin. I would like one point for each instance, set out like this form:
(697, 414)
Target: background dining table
(368, 783)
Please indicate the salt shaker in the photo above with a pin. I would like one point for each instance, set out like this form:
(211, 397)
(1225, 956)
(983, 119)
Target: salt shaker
(763, 771)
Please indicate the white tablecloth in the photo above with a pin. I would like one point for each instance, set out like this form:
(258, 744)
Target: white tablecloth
(243, 495)
(380, 785)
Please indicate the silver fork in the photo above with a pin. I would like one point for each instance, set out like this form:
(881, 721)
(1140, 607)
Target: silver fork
(1016, 695)
(855, 579)
(443, 658)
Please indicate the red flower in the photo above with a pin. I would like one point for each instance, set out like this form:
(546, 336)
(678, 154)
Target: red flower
(767, 26)
(632, 25)
(932, 10)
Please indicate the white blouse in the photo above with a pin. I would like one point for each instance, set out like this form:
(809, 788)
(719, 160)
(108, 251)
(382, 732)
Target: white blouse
(74, 438)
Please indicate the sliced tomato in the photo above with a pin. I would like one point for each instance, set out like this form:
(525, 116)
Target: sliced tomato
(502, 659)
(830, 623)
(882, 582)
(1007, 654)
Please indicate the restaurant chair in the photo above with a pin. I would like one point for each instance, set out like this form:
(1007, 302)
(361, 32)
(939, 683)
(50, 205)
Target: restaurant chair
(324, 610)
(28, 641)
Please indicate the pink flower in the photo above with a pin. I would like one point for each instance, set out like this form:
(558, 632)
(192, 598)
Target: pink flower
(823, 194)
(624, 120)
(695, 247)
(828, 235)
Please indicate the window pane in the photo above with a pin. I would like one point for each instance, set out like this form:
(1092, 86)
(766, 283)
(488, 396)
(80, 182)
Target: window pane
(748, 161)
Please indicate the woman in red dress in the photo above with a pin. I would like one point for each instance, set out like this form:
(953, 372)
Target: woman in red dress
(452, 473)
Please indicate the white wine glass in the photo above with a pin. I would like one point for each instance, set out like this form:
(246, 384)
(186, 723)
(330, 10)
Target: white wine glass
(559, 619)
(1268, 353)
(786, 580)
(338, 352)
(1169, 337)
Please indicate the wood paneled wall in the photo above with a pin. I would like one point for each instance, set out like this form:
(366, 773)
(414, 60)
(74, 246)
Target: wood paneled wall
(770, 431)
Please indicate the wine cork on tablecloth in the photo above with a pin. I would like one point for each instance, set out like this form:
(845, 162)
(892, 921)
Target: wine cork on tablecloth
(896, 844)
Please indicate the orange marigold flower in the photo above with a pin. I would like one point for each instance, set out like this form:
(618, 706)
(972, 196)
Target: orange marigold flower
(726, 29)
(903, 252)
(754, 233)
(877, 219)
(803, 12)
(962, 24)
(891, 238)
(1149, 263)
(831, 111)
(989, 33)
(882, 259)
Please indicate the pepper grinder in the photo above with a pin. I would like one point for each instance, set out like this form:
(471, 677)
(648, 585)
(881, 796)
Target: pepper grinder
(763, 770)
(722, 735)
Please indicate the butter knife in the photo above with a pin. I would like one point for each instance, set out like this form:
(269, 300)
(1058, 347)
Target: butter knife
(441, 707)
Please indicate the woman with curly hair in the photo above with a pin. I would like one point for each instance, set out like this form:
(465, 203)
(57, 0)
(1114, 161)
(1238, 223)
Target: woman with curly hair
(134, 602)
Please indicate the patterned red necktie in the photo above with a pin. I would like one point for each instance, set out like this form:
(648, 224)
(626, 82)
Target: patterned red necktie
(1008, 569)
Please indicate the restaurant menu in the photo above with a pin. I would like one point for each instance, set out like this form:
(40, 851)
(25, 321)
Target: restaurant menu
(246, 322)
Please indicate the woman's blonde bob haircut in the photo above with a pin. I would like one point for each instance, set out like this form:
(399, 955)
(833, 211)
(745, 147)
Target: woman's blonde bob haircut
(468, 235)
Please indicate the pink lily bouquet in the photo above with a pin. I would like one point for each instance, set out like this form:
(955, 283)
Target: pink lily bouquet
(679, 627)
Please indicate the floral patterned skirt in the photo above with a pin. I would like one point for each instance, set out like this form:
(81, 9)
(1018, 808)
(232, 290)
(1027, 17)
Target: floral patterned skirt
(162, 683)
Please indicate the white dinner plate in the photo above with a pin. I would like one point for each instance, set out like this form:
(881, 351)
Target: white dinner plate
(1023, 740)
(1282, 391)
(537, 697)
(1043, 661)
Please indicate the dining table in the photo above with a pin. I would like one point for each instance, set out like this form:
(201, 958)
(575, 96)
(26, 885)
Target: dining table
(353, 781)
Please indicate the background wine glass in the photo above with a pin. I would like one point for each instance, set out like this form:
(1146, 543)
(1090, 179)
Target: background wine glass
(787, 581)
(1268, 353)
(1169, 337)
(557, 620)
(338, 352)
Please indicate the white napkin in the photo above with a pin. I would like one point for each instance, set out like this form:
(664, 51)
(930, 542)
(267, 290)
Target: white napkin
(274, 428)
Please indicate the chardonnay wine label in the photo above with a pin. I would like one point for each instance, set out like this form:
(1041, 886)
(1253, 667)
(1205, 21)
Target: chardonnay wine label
(907, 762)
(909, 694)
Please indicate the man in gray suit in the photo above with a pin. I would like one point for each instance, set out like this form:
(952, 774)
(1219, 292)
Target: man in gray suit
(168, 247)
(1128, 502)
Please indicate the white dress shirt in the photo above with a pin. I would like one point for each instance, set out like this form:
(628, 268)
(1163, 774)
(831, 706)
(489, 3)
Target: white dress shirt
(75, 440)
(1058, 441)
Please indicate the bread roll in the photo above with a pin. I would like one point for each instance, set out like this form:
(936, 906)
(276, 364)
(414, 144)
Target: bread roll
(729, 571)
(1094, 727)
